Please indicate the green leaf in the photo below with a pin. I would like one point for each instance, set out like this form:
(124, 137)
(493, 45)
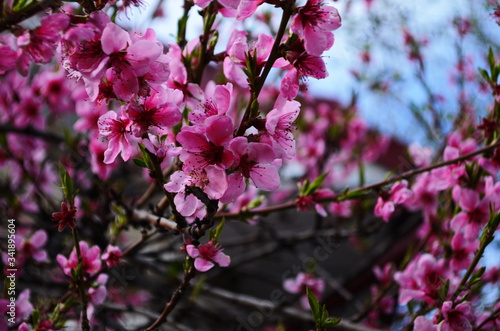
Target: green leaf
(21, 4)
(303, 187)
(476, 276)
(254, 109)
(214, 234)
(67, 185)
(140, 163)
(35, 315)
(324, 314)
(353, 195)
(491, 59)
(314, 304)
(317, 183)
(256, 202)
(332, 321)
(443, 290)
(197, 289)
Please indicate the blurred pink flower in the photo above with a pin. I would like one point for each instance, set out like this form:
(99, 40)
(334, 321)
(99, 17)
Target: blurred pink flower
(206, 255)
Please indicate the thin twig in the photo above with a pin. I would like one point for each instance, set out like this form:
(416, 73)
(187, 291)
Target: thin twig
(337, 197)
(176, 297)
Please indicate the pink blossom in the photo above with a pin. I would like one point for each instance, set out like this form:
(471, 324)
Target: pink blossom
(155, 112)
(279, 126)
(65, 217)
(217, 102)
(384, 275)
(304, 203)
(115, 128)
(39, 44)
(425, 195)
(97, 149)
(255, 163)
(205, 255)
(112, 256)
(421, 156)
(240, 9)
(299, 284)
(211, 179)
(88, 116)
(422, 279)
(474, 214)
(313, 22)
(91, 262)
(457, 318)
(423, 324)
(98, 291)
(303, 65)
(23, 307)
(201, 150)
(31, 247)
(398, 194)
(237, 52)
(8, 59)
(463, 250)
(342, 208)
(160, 146)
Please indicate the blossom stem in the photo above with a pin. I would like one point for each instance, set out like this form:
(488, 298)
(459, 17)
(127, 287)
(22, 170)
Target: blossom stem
(175, 298)
(494, 315)
(258, 84)
(80, 282)
(486, 238)
(179, 219)
(363, 190)
(181, 26)
(205, 53)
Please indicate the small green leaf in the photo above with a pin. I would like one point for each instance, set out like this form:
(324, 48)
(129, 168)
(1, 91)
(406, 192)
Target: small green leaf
(314, 304)
(256, 202)
(67, 185)
(353, 195)
(484, 74)
(140, 163)
(197, 289)
(214, 234)
(317, 183)
(35, 315)
(332, 321)
(476, 276)
(324, 314)
(491, 58)
(443, 290)
(254, 109)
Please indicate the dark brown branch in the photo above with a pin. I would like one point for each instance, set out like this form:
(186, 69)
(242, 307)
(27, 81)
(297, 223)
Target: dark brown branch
(11, 18)
(174, 300)
(339, 197)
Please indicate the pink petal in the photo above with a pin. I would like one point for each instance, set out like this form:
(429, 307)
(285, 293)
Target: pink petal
(39, 238)
(265, 177)
(202, 265)
(192, 251)
(142, 53)
(261, 153)
(469, 199)
(222, 97)
(220, 129)
(114, 39)
(290, 84)
(222, 259)
(236, 186)
(192, 142)
(290, 285)
(217, 182)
